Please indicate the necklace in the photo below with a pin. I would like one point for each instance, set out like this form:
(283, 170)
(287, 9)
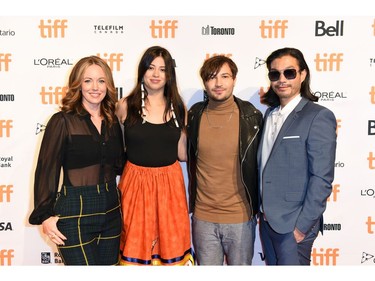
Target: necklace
(221, 126)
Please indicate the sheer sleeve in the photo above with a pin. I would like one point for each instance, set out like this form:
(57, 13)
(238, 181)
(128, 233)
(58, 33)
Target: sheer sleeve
(121, 159)
(47, 173)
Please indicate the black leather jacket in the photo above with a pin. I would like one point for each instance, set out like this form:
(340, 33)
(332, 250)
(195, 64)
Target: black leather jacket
(251, 122)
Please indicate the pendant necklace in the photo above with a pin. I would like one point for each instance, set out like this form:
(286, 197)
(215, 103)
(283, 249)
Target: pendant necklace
(221, 126)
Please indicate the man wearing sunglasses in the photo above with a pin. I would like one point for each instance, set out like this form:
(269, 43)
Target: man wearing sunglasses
(296, 159)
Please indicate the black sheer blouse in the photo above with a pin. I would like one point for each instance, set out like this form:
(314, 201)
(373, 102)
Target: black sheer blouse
(73, 143)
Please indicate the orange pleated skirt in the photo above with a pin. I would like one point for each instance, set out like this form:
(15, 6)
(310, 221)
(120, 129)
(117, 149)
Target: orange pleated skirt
(156, 228)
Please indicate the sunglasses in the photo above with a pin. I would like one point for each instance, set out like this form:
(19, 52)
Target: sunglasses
(289, 74)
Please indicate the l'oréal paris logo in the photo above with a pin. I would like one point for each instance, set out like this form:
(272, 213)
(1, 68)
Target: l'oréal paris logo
(330, 95)
(52, 62)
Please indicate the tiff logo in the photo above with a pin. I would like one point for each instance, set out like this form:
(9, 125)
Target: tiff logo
(216, 54)
(49, 29)
(4, 62)
(371, 159)
(6, 256)
(163, 29)
(53, 96)
(5, 191)
(329, 62)
(113, 60)
(5, 126)
(372, 95)
(338, 122)
(334, 194)
(325, 256)
(273, 29)
(370, 223)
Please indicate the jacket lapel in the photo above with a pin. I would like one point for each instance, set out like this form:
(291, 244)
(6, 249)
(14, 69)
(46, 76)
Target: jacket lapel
(289, 122)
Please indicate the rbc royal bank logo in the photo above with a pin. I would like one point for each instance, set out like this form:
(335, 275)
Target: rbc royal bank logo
(45, 257)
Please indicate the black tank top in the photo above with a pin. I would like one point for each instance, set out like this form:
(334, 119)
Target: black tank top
(151, 145)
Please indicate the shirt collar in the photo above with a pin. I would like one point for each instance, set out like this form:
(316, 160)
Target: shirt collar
(290, 106)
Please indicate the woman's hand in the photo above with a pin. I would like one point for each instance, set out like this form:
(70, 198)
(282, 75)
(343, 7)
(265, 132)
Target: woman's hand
(50, 229)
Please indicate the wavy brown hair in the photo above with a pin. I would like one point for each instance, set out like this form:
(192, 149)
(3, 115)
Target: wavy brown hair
(213, 65)
(72, 102)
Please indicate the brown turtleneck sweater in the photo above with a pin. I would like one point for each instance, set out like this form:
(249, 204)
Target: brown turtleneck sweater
(220, 193)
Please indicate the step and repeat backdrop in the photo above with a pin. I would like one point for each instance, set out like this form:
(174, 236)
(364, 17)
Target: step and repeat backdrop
(37, 53)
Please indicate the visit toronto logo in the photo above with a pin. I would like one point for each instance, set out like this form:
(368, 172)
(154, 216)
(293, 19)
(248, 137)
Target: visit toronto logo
(213, 30)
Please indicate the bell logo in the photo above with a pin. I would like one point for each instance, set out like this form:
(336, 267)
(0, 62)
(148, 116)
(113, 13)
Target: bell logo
(335, 30)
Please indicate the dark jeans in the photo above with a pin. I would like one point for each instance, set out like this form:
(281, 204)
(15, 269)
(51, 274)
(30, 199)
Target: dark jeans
(283, 249)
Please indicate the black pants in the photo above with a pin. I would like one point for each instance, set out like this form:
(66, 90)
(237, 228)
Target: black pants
(90, 218)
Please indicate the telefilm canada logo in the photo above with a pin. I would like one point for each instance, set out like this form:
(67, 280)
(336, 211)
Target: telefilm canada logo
(108, 29)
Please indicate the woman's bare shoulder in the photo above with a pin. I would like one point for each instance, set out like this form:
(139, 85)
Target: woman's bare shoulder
(122, 109)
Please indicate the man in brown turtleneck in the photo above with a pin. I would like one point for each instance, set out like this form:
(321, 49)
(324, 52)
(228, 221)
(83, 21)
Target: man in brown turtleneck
(223, 136)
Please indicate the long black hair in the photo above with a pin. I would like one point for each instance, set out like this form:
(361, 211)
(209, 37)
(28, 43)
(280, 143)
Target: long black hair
(171, 93)
(270, 97)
